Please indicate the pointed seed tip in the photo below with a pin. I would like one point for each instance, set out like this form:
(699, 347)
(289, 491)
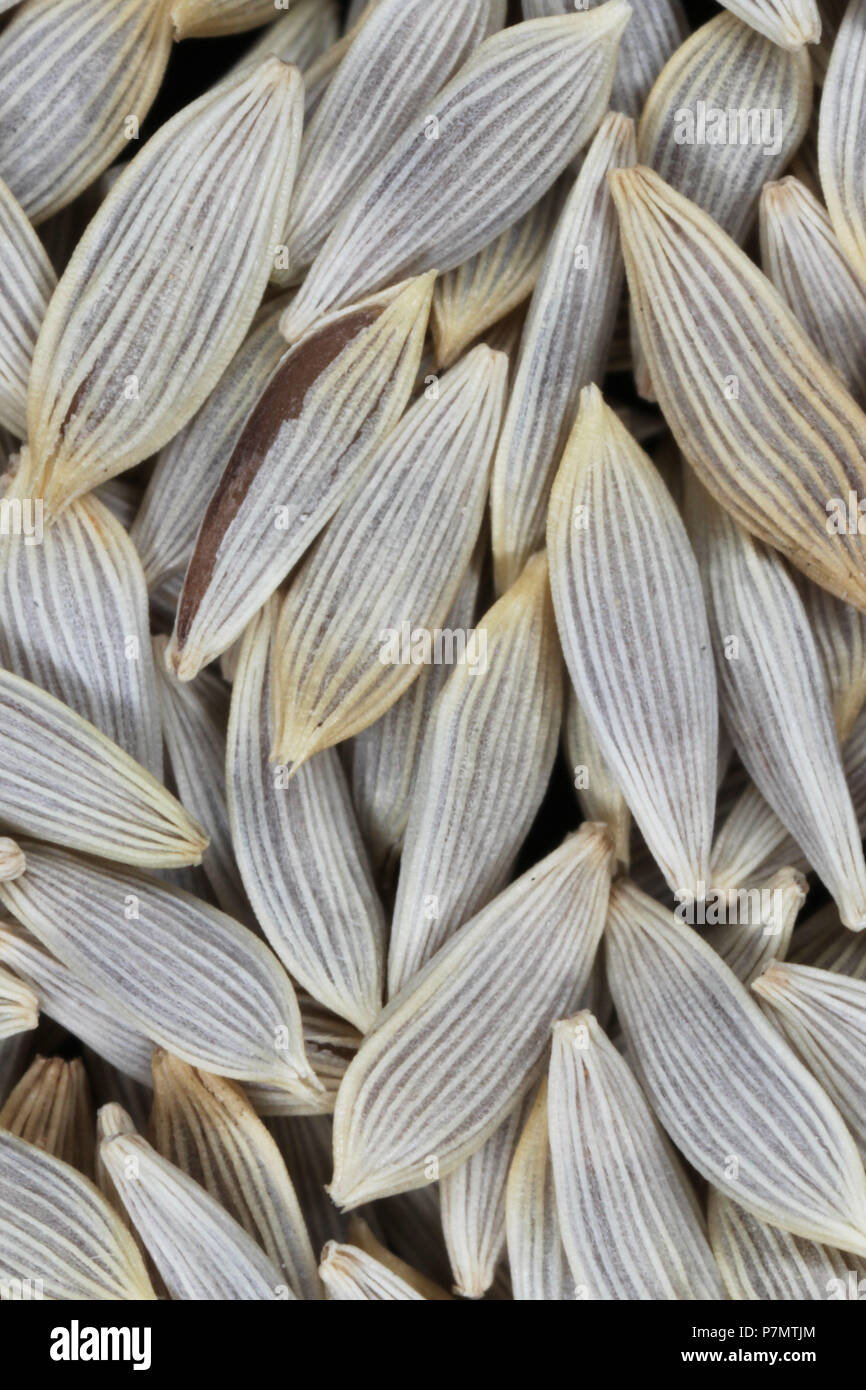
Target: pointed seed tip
(12, 860)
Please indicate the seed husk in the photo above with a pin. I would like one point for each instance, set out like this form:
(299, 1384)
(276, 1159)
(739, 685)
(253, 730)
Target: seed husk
(192, 463)
(473, 1207)
(361, 1236)
(73, 1002)
(132, 343)
(753, 938)
(631, 1226)
(170, 964)
(789, 23)
(599, 796)
(631, 618)
(499, 148)
(823, 1016)
(199, 1249)
(840, 136)
(52, 1107)
(331, 402)
(802, 256)
(733, 1097)
(353, 129)
(762, 419)
(208, 19)
(774, 701)
(536, 1258)
(727, 65)
(27, 282)
(484, 765)
(206, 1126)
(300, 36)
(383, 758)
(75, 623)
(109, 805)
(478, 1062)
(351, 1274)
(55, 1226)
(57, 137)
(299, 850)
(652, 34)
(824, 943)
(759, 1262)
(563, 348)
(330, 1044)
(393, 555)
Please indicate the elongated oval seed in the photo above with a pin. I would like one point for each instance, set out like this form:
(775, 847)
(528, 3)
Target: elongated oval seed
(655, 30)
(630, 1224)
(502, 131)
(207, 1127)
(473, 1207)
(351, 1274)
(108, 806)
(823, 1016)
(328, 406)
(199, 1249)
(75, 623)
(802, 256)
(564, 347)
(133, 342)
(388, 566)
(775, 703)
(736, 1101)
(74, 1003)
(726, 67)
(536, 1258)
(759, 415)
(762, 1263)
(789, 23)
(299, 850)
(631, 619)
(483, 770)
(478, 294)
(19, 1005)
(188, 976)
(191, 464)
(57, 1228)
(470, 1030)
(27, 281)
(389, 76)
(194, 719)
(841, 136)
(57, 137)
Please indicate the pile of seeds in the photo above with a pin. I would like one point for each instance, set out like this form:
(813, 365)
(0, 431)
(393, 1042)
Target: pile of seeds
(432, 651)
